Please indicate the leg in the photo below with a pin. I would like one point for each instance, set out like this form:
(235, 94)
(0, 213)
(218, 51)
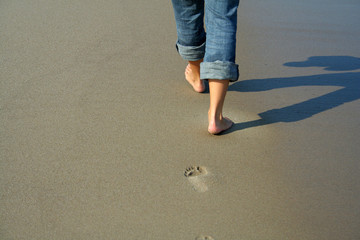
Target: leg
(217, 123)
(189, 15)
(219, 61)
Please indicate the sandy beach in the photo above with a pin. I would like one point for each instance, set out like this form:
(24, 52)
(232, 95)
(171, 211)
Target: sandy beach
(98, 125)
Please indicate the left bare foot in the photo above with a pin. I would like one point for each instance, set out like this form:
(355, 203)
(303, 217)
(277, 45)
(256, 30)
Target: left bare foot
(192, 75)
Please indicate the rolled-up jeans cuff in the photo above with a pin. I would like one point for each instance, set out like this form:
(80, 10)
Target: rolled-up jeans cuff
(191, 53)
(219, 70)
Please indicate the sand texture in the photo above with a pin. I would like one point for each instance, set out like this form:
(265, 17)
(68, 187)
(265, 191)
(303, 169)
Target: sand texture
(101, 137)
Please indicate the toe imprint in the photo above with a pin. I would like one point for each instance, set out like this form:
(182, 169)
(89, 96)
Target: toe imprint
(194, 171)
(204, 238)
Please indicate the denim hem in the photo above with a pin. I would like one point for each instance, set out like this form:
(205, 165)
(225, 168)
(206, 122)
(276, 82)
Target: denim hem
(219, 70)
(191, 53)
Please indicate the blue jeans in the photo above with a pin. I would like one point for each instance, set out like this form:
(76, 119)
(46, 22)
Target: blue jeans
(217, 45)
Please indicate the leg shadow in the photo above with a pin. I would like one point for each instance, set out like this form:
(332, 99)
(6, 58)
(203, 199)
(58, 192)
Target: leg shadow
(350, 91)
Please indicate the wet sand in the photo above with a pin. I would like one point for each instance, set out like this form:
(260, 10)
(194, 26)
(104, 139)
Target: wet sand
(98, 125)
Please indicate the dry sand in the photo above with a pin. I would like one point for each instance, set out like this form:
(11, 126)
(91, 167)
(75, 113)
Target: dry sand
(98, 125)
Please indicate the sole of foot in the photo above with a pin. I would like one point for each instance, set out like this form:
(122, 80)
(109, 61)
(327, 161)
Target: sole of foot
(193, 78)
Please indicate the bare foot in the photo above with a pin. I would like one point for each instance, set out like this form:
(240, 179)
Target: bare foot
(192, 75)
(217, 126)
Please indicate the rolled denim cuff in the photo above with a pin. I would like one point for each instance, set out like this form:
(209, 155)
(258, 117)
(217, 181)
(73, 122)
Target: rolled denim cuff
(219, 70)
(191, 53)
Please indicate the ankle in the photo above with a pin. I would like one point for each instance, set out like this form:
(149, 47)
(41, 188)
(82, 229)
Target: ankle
(195, 63)
(214, 115)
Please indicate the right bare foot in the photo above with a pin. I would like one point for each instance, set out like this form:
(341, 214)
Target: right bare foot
(217, 126)
(192, 75)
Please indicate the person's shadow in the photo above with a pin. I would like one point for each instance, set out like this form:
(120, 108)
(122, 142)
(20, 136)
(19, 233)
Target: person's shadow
(349, 81)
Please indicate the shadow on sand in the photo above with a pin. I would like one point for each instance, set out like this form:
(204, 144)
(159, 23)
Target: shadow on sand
(349, 81)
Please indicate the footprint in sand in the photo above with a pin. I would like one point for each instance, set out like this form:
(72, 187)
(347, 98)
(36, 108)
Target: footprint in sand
(196, 176)
(204, 238)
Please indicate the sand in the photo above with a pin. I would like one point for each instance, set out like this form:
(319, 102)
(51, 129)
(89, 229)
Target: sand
(98, 125)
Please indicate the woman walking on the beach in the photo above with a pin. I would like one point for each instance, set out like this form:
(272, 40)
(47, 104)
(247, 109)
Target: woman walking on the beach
(210, 54)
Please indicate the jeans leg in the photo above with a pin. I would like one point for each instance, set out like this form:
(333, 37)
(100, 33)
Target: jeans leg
(221, 26)
(189, 15)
